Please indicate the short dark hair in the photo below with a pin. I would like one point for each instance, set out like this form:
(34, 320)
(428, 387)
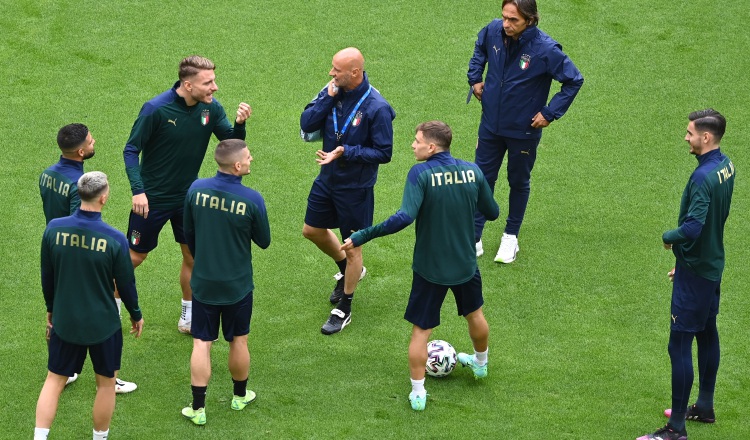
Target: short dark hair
(709, 120)
(190, 66)
(227, 152)
(527, 9)
(437, 132)
(72, 136)
(91, 185)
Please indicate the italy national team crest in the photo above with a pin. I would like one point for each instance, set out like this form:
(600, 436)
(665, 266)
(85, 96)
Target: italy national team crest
(357, 119)
(204, 117)
(135, 238)
(525, 61)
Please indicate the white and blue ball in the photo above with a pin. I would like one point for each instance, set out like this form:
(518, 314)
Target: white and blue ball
(441, 358)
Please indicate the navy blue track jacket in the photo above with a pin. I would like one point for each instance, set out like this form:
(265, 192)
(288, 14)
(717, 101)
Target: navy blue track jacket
(518, 79)
(368, 140)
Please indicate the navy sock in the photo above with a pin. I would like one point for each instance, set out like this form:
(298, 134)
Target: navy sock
(708, 363)
(199, 397)
(345, 305)
(680, 353)
(342, 266)
(240, 387)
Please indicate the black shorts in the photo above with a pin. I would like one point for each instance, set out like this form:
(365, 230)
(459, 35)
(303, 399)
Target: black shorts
(694, 300)
(143, 233)
(235, 319)
(427, 298)
(347, 209)
(67, 359)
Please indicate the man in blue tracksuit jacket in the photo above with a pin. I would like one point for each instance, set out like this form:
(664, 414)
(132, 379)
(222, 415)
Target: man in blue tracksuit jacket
(522, 62)
(356, 125)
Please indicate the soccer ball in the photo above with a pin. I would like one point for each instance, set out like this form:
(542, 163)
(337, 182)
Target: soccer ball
(441, 358)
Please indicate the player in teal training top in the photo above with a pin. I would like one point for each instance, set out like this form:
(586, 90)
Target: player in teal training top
(81, 260)
(58, 183)
(171, 135)
(222, 219)
(698, 245)
(442, 193)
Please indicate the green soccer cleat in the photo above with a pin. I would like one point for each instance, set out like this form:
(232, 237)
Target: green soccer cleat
(197, 416)
(468, 360)
(417, 403)
(239, 403)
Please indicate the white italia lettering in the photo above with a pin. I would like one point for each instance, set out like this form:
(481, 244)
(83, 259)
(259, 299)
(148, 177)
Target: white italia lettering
(47, 181)
(453, 178)
(220, 203)
(81, 241)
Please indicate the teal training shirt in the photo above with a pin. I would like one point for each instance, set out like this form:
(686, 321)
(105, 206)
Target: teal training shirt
(58, 187)
(441, 194)
(222, 217)
(698, 242)
(172, 138)
(80, 257)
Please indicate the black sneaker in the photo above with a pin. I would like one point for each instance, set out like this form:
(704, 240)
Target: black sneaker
(338, 291)
(336, 322)
(696, 414)
(666, 433)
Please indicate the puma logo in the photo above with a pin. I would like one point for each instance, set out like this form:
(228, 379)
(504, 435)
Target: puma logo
(496, 49)
(674, 319)
(173, 121)
(525, 152)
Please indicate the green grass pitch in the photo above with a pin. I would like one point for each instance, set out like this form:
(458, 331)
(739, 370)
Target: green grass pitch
(579, 323)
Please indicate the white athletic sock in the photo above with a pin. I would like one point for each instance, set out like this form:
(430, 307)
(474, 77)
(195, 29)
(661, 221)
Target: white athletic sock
(187, 309)
(101, 435)
(417, 387)
(119, 306)
(41, 433)
(481, 357)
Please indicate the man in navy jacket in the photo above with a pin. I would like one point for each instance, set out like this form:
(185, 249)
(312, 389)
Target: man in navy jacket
(522, 62)
(356, 125)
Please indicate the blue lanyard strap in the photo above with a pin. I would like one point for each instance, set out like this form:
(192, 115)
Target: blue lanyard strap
(349, 119)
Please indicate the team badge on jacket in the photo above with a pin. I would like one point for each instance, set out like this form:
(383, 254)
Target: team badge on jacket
(525, 61)
(135, 238)
(204, 117)
(357, 119)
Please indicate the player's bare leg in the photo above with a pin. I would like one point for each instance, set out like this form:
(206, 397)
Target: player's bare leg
(479, 331)
(325, 240)
(137, 257)
(239, 367)
(353, 270)
(46, 406)
(200, 363)
(104, 402)
(186, 272)
(417, 362)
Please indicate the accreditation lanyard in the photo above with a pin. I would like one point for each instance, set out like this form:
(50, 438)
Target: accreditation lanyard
(349, 119)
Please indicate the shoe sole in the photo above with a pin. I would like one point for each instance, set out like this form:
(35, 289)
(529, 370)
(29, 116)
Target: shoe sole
(193, 419)
(668, 414)
(343, 325)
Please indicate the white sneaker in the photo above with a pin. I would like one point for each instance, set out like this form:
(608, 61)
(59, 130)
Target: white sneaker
(508, 249)
(122, 387)
(480, 249)
(183, 325)
(72, 379)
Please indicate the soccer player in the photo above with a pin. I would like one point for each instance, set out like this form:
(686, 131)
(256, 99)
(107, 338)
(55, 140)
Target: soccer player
(80, 257)
(222, 218)
(356, 124)
(698, 245)
(172, 133)
(59, 191)
(522, 62)
(442, 193)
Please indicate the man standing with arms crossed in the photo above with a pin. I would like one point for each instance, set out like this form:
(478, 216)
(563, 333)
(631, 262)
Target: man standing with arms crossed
(698, 245)
(80, 257)
(441, 194)
(172, 133)
(222, 218)
(58, 187)
(356, 125)
(522, 62)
